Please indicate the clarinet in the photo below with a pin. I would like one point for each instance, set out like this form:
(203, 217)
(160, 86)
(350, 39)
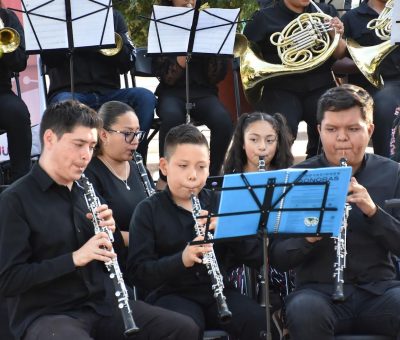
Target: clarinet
(261, 276)
(137, 158)
(112, 266)
(210, 261)
(341, 252)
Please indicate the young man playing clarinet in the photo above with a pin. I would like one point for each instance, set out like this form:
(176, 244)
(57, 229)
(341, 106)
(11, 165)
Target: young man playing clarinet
(52, 262)
(371, 290)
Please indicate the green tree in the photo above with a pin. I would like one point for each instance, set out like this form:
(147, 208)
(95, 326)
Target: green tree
(135, 12)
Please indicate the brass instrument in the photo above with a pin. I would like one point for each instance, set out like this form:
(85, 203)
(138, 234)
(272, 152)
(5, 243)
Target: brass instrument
(110, 52)
(383, 24)
(303, 45)
(368, 58)
(9, 39)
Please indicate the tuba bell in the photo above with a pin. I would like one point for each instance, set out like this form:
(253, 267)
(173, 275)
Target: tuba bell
(303, 45)
(9, 39)
(369, 58)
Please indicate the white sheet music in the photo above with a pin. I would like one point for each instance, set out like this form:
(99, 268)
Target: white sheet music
(211, 39)
(395, 33)
(173, 39)
(174, 26)
(88, 30)
(53, 34)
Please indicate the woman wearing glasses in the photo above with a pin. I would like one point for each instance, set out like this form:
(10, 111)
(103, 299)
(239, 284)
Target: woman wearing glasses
(112, 172)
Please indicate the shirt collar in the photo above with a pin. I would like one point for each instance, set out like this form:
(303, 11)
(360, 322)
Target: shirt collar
(325, 163)
(365, 9)
(43, 179)
(283, 6)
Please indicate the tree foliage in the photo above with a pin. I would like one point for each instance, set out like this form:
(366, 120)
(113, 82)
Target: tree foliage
(135, 12)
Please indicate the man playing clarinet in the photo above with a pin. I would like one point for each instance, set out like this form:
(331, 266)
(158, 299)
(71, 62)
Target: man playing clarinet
(52, 263)
(371, 290)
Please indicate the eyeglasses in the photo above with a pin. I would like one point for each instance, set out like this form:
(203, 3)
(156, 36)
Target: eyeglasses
(130, 136)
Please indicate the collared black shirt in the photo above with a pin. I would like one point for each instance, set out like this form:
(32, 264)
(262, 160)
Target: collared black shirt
(355, 24)
(93, 72)
(370, 241)
(14, 61)
(159, 232)
(274, 19)
(41, 224)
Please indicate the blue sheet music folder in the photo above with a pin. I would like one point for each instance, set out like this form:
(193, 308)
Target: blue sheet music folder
(313, 205)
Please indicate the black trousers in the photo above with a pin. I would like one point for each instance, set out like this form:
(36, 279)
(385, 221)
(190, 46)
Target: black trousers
(15, 119)
(155, 324)
(312, 314)
(295, 106)
(248, 317)
(209, 111)
(385, 102)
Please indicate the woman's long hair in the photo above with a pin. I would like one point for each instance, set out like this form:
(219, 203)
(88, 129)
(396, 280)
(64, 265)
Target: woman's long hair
(236, 158)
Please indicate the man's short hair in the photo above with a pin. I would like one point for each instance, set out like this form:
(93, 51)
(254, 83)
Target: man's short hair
(64, 116)
(183, 134)
(346, 97)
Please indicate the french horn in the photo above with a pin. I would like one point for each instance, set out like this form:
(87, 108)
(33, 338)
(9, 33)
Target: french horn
(303, 45)
(110, 52)
(369, 58)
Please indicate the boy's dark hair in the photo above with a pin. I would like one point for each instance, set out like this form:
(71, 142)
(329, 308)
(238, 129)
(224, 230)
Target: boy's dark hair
(64, 116)
(109, 113)
(166, 3)
(236, 157)
(346, 97)
(182, 134)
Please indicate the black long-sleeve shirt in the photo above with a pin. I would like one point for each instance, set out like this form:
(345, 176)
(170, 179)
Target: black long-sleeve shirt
(370, 240)
(14, 61)
(205, 72)
(41, 224)
(93, 72)
(355, 26)
(159, 232)
(273, 19)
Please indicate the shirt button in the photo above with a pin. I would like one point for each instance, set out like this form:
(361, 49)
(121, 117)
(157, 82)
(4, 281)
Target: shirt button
(197, 274)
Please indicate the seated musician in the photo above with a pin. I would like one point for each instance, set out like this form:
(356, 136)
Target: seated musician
(387, 98)
(294, 94)
(371, 289)
(204, 75)
(14, 115)
(160, 257)
(113, 173)
(97, 78)
(51, 260)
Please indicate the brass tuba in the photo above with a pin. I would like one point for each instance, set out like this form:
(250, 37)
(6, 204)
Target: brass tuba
(303, 45)
(110, 52)
(368, 58)
(9, 39)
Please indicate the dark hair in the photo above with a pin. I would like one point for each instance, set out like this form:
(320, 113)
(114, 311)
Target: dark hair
(109, 113)
(166, 3)
(64, 116)
(344, 97)
(236, 157)
(182, 134)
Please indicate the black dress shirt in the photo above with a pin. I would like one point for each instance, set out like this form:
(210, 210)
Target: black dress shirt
(274, 19)
(355, 26)
(370, 240)
(41, 224)
(93, 72)
(205, 72)
(159, 232)
(14, 61)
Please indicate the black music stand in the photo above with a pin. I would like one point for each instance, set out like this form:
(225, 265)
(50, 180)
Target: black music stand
(194, 22)
(65, 23)
(266, 197)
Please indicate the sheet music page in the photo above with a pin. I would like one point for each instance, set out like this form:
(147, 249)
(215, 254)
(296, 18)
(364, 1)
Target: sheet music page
(88, 20)
(51, 33)
(210, 40)
(395, 34)
(174, 39)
